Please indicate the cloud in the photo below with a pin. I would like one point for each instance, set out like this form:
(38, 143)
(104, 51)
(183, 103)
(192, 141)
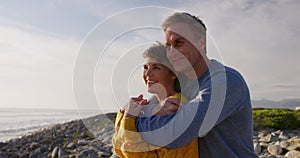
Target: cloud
(49, 59)
(37, 53)
(35, 65)
(286, 86)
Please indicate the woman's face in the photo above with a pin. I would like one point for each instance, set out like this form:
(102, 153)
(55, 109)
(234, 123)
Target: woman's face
(158, 77)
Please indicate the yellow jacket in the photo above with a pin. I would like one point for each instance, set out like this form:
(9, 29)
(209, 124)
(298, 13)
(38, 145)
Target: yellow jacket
(128, 143)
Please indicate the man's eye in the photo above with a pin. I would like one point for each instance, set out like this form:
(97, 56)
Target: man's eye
(178, 43)
(168, 46)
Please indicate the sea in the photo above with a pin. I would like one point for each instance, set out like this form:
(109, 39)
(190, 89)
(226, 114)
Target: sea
(16, 122)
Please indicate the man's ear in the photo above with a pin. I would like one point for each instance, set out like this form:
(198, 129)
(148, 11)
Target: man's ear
(202, 44)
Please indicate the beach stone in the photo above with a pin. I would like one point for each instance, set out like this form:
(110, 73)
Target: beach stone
(13, 155)
(269, 156)
(284, 144)
(34, 145)
(275, 149)
(88, 153)
(105, 154)
(277, 132)
(95, 149)
(98, 144)
(41, 150)
(33, 155)
(61, 152)
(24, 154)
(46, 141)
(266, 138)
(82, 142)
(57, 141)
(72, 156)
(54, 153)
(276, 143)
(293, 135)
(255, 141)
(264, 144)
(107, 140)
(2, 144)
(42, 156)
(63, 127)
(294, 144)
(283, 135)
(114, 156)
(70, 146)
(257, 148)
(292, 154)
(106, 129)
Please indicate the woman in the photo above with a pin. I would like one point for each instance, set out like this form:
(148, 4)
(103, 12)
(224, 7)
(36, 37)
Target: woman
(161, 81)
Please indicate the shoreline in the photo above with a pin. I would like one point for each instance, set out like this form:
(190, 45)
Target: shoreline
(91, 137)
(16, 122)
(68, 139)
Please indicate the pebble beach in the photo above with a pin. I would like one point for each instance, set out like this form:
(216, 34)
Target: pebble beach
(91, 138)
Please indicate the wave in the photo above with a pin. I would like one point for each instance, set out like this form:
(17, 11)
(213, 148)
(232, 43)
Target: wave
(18, 122)
(22, 129)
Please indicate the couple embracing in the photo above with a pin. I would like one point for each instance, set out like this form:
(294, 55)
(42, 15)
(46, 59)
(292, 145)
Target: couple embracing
(200, 108)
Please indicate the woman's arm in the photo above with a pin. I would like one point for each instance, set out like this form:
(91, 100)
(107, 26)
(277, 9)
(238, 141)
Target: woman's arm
(127, 142)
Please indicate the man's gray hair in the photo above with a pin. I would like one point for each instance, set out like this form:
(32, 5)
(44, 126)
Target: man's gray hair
(181, 17)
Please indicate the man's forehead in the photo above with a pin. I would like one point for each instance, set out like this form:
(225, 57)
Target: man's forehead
(178, 30)
(172, 35)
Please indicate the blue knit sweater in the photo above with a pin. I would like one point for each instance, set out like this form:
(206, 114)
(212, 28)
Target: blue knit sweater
(219, 114)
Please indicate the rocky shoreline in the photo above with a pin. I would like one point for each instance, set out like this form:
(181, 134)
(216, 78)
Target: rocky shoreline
(91, 138)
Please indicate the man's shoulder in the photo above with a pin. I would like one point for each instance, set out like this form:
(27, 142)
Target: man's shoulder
(217, 68)
(220, 74)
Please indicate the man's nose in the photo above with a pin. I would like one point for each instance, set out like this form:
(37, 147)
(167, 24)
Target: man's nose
(171, 52)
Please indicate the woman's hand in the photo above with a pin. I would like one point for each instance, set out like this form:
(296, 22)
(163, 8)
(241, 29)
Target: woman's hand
(134, 106)
(169, 105)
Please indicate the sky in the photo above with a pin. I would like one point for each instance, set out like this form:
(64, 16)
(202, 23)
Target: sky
(87, 54)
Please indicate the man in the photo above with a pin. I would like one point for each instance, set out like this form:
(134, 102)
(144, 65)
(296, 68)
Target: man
(220, 113)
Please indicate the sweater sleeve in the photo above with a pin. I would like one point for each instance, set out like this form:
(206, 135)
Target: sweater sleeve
(215, 102)
(128, 143)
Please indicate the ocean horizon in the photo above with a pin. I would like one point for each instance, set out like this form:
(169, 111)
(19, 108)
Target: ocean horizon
(16, 122)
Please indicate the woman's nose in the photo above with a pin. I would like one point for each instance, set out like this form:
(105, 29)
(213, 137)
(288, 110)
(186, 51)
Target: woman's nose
(148, 72)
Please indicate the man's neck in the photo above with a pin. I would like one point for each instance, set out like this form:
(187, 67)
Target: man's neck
(198, 71)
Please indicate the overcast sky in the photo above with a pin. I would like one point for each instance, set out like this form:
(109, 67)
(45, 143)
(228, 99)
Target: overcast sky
(46, 45)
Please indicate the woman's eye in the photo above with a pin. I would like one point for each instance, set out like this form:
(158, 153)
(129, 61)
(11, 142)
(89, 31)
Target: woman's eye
(145, 68)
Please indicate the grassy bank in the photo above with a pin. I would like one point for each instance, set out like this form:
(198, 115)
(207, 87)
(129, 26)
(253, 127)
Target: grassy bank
(276, 118)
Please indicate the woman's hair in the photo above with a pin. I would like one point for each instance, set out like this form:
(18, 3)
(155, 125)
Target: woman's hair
(194, 22)
(158, 52)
